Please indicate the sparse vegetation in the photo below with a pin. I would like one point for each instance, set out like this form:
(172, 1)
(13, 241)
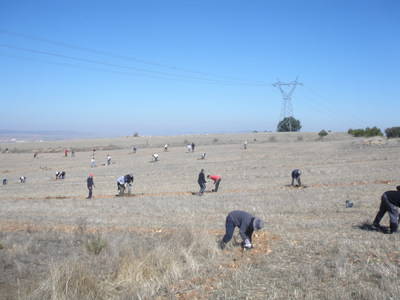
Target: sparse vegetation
(367, 132)
(272, 139)
(300, 138)
(95, 244)
(392, 132)
(162, 243)
(215, 140)
(289, 124)
(136, 134)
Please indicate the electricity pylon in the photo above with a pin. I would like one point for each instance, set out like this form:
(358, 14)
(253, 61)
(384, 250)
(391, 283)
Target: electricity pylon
(287, 89)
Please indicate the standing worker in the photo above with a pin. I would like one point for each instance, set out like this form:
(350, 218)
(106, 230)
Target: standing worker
(166, 147)
(92, 162)
(108, 159)
(296, 176)
(245, 145)
(390, 200)
(193, 145)
(202, 182)
(90, 185)
(246, 223)
(217, 181)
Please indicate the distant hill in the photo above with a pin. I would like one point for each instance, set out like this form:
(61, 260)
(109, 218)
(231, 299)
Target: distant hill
(7, 135)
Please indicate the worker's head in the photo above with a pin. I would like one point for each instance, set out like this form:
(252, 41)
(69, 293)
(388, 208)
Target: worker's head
(258, 224)
(202, 171)
(90, 175)
(398, 187)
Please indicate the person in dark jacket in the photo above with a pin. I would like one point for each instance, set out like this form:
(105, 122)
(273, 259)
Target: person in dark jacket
(246, 223)
(193, 145)
(202, 182)
(90, 185)
(390, 200)
(296, 176)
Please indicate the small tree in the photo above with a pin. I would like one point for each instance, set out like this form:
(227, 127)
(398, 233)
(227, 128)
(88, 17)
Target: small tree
(322, 133)
(289, 124)
(392, 132)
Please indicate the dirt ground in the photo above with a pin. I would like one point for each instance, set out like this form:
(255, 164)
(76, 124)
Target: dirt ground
(313, 247)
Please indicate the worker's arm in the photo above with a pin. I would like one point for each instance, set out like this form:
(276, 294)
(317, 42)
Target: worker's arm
(243, 231)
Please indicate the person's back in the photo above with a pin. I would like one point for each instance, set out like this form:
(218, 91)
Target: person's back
(240, 217)
(90, 182)
(393, 197)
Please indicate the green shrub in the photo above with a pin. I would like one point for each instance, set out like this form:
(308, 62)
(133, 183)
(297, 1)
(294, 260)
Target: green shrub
(95, 244)
(367, 132)
(392, 132)
(322, 133)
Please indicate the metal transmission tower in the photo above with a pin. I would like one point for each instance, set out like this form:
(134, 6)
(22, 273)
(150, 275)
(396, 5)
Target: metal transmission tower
(287, 89)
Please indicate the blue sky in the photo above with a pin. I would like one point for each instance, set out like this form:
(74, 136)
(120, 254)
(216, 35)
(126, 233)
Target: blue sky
(173, 67)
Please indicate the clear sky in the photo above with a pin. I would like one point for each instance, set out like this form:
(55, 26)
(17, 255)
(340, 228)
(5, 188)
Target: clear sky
(173, 67)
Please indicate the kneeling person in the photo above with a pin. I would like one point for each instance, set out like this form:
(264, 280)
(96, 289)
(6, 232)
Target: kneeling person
(246, 223)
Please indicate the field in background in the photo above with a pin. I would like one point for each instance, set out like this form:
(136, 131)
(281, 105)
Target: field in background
(162, 241)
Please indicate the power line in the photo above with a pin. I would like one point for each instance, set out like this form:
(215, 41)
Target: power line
(134, 74)
(131, 58)
(177, 76)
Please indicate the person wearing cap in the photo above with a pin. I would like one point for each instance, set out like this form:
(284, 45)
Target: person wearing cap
(296, 176)
(390, 200)
(216, 179)
(155, 156)
(108, 159)
(123, 182)
(201, 180)
(90, 185)
(246, 223)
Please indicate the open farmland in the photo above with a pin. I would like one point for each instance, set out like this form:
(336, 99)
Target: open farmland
(161, 242)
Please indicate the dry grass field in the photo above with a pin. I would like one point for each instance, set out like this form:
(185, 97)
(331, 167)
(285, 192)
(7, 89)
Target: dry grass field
(161, 242)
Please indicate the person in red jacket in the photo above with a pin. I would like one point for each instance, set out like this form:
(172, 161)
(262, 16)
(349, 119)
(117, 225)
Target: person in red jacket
(217, 181)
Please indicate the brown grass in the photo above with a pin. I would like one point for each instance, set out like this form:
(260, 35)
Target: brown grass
(161, 243)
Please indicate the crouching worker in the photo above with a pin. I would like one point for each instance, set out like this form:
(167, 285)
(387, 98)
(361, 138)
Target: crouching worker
(124, 182)
(296, 176)
(217, 181)
(390, 200)
(246, 223)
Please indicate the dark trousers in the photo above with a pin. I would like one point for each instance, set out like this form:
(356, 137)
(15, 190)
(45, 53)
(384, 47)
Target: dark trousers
(90, 191)
(229, 229)
(121, 188)
(297, 179)
(387, 206)
(217, 185)
(202, 187)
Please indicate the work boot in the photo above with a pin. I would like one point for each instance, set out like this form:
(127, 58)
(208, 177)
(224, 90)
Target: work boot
(222, 245)
(393, 228)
